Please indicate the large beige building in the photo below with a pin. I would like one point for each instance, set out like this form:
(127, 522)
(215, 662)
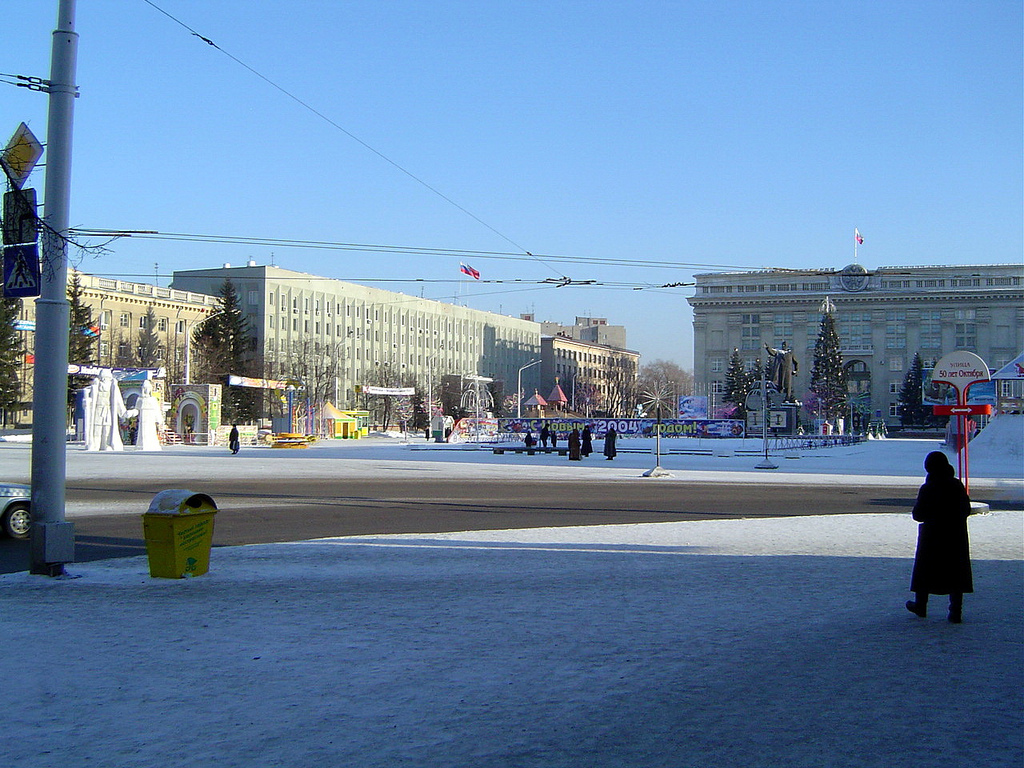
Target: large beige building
(598, 380)
(884, 316)
(335, 335)
(120, 312)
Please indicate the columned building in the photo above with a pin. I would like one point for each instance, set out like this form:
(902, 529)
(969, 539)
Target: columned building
(336, 335)
(884, 317)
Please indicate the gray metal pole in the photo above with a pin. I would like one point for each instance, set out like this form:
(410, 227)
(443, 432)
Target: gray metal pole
(519, 388)
(53, 540)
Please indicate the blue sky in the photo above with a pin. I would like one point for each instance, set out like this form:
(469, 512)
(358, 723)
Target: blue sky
(738, 134)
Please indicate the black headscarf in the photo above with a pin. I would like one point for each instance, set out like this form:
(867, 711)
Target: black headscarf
(937, 465)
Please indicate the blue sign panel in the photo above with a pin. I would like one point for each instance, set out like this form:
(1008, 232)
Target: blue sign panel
(21, 271)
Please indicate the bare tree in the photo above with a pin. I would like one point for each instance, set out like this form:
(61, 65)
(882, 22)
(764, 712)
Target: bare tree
(317, 366)
(385, 408)
(585, 397)
(663, 374)
(622, 392)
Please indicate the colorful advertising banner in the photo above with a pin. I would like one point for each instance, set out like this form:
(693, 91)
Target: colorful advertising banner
(693, 407)
(470, 430)
(627, 427)
(247, 381)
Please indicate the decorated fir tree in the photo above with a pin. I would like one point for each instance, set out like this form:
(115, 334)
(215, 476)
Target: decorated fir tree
(828, 377)
(738, 383)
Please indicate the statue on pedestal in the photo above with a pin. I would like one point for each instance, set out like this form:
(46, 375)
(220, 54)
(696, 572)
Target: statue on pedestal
(781, 369)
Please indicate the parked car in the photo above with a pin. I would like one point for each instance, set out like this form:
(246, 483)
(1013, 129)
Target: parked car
(16, 515)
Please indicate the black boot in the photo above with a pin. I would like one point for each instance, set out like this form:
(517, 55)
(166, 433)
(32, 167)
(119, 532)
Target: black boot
(919, 605)
(956, 608)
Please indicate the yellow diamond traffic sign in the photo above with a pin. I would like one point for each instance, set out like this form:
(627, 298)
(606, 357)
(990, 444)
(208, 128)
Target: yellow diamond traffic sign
(21, 155)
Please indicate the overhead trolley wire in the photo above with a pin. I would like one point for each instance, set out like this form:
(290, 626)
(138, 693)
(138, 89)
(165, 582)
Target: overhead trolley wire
(305, 105)
(400, 250)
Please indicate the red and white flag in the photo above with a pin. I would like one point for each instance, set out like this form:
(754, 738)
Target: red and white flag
(468, 270)
(857, 237)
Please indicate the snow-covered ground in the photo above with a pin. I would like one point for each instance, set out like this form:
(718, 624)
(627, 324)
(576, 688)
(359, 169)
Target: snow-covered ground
(780, 642)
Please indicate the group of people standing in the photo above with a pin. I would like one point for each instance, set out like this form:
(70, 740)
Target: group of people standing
(581, 444)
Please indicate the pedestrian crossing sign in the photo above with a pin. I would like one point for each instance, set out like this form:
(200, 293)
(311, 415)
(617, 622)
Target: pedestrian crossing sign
(21, 271)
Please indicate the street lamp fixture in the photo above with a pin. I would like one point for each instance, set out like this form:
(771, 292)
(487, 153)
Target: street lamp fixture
(519, 388)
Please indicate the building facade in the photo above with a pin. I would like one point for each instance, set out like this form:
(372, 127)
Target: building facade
(598, 380)
(333, 335)
(884, 317)
(593, 329)
(121, 311)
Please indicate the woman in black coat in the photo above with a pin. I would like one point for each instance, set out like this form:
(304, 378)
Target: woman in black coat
(586, 442)
(942, 565)
(609, 444)
(574, 445)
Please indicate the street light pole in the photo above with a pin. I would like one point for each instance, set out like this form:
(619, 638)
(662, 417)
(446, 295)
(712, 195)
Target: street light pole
(767, 463)
(53, 539)
(519, 388)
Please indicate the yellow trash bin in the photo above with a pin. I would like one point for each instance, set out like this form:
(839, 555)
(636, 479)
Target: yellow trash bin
(178, 529)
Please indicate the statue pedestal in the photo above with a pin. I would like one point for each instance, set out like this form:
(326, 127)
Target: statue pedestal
(782, 420)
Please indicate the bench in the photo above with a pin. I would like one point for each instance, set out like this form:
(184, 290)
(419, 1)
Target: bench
(531, 451)
(290, 440)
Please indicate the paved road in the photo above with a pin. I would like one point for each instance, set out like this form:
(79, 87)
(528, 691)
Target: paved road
(276, 509)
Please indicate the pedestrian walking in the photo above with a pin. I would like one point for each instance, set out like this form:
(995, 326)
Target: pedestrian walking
(942, 565)
(586, 441)
(544, 434)
(233, 442)
(529, 441)
(554, 438)
(574, 445)
(609, 443)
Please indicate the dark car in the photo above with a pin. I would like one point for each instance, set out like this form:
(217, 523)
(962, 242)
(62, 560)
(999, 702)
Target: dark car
(16, 515)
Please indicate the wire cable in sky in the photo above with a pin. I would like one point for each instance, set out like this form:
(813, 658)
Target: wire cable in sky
(400, 250)
(305, 105)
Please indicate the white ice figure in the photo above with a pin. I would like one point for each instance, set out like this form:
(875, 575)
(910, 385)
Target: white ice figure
(150, 418)
(105, 410)
(91, 435)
